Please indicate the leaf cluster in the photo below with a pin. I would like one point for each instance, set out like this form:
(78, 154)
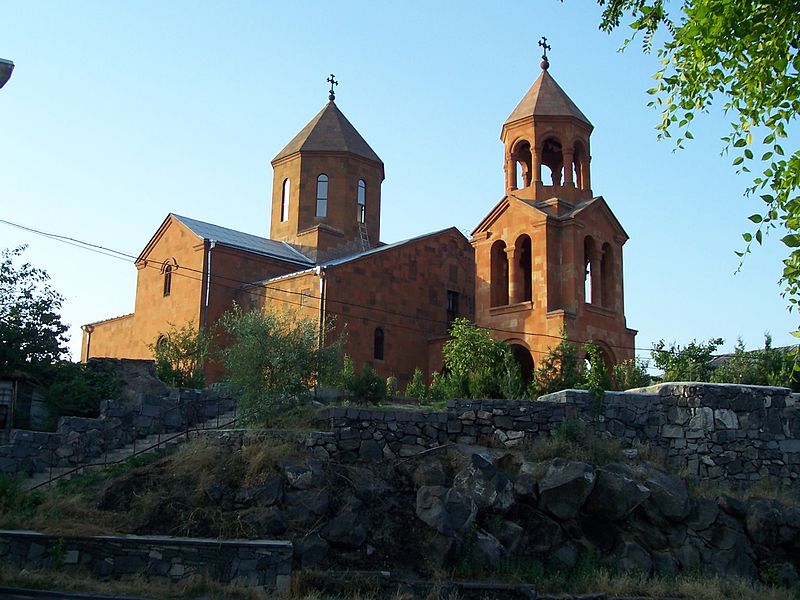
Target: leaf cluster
(275, 359)
(685, 363)
(32, 336)
(181, 354)
(745, 55)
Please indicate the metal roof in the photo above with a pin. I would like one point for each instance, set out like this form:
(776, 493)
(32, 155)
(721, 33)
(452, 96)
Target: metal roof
(243, 241)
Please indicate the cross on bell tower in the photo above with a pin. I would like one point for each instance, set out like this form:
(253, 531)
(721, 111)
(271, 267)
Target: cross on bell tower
(545, 64)
(333, 82)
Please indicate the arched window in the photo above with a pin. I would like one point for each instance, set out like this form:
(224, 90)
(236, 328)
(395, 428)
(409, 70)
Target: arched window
(524, 273)
(322, 195)
(167, 279)
(362, 200)
(590, 281)
(377, 350)
(285, 200)
(499, 274)
(607, 276)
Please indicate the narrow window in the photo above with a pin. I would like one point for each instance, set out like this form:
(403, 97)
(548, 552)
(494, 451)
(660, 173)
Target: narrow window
(452, 306)
(167, 280)
(362, 200)
(378, 344)
(285, 200)
(322, 195)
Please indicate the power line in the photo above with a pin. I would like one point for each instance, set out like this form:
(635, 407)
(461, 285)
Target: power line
(240, 285)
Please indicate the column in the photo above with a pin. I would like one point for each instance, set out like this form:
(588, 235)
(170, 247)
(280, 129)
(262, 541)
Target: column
(515, 285)
(567, 155)
(511, 173)
(597, 278)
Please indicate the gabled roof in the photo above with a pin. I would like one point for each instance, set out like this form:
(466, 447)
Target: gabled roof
(234, 239)
(546, 99)
(329, 131)
(542, 207)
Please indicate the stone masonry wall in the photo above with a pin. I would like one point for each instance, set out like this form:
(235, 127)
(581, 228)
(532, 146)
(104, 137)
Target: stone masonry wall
(264, 563)
(79, 439)
(714, 431)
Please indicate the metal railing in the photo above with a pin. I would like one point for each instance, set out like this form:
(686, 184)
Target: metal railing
(162, 439)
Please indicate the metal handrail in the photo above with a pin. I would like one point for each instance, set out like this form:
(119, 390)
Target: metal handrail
(134, 452)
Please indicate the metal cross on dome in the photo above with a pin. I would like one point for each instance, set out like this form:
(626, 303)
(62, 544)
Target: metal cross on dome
(545, 47)
(333, 82)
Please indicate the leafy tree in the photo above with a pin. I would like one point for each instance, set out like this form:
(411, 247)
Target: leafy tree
(76, 390)
(596, 378)
(274, 359)
(768, 366)
(477, 364)
(560, 369)
(367, 386)
(181, 354)
(32, 336)
(746, 54)
(689, 363)
(628, 374)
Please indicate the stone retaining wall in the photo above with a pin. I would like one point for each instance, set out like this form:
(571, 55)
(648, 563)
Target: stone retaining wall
(715, 431)
(265, 563)
(78, 440)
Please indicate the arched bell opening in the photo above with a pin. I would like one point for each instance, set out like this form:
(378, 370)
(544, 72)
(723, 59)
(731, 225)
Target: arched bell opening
(580, 161)
(553, 159)
(522, 164)
(607, 276)
(524, 272)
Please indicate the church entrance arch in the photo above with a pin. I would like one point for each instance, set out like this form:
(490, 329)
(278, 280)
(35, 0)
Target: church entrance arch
(525, 361)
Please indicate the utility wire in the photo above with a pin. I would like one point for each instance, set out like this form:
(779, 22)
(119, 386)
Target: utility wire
(249, 286)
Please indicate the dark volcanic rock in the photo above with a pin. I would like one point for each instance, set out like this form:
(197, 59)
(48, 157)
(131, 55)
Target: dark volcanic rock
(564, 488)
(430, 472)
(349, 527)
(488, 487)
(669, 498)
(447, 510)
(614, 495)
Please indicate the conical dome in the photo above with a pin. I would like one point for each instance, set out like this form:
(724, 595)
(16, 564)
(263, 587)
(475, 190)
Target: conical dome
(545, 98)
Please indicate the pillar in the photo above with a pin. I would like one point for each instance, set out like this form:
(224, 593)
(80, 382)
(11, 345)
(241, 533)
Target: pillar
(567, 157)
(516, 287)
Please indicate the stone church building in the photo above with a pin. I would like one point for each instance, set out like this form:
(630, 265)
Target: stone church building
(546, 258)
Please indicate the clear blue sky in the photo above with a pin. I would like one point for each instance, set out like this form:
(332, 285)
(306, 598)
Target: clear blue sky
(120, 112)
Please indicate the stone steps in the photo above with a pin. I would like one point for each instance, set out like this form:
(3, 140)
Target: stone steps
(150, 444)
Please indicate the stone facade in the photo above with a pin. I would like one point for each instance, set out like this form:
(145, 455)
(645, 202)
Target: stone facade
(724, 432)
(265, 563)
(548, 256)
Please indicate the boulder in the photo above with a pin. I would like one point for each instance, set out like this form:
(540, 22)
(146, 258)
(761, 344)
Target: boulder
(302, 476)
(311, 550)
(487, 548)
(542, 534)
(703, 514)
(266, 494)
(447, 510)
(264, 520)
(669, 498)
(631, 558)
(303, 506)
(614, 495)
(349, 527)
(488, 487)
(564, 488)
(429, 472)
(763, 518)
(509, 534)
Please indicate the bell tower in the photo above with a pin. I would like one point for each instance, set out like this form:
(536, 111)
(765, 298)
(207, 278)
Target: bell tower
(546, 140)
(326, 190)
(548, 256)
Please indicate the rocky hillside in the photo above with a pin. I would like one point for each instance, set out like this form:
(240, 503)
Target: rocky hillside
(469, 511)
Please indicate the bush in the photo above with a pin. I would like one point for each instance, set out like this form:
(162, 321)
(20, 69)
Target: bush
(274, 360)
(628, 374)
(367, 386)
(596, 378)
(416, 388)
(689, 363)
(560, 369)
(181, 354)
(76, 391)
(769, 366)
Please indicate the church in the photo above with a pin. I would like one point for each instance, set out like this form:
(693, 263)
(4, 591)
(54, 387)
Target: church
(546, 259)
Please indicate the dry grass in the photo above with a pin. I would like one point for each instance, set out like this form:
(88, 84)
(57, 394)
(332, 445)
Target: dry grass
(153, 587)
(260, 461)
(573, 441)
(768, 488)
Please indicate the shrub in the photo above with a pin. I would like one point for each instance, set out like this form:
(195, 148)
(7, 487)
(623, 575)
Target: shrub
(274, 359)
(416, 388)
(367, 386)
(181, 354)
(596, 378)
(560, 369)
(689, 363)
(75, 390)
(628, 374)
